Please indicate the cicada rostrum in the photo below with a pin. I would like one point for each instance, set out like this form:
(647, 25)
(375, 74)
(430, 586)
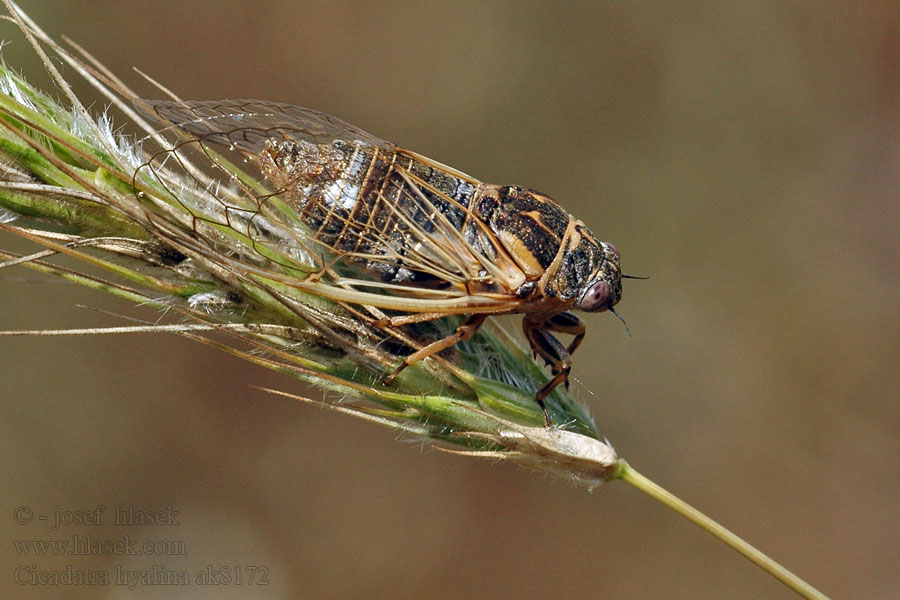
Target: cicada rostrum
(415, 236)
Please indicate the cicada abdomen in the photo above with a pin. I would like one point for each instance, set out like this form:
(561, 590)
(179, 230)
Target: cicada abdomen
(386, 212)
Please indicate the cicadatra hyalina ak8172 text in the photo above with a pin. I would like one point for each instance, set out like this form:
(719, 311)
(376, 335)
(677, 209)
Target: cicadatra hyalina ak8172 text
(404, 232)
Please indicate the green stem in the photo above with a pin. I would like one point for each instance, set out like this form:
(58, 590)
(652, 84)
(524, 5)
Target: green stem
(766, 563)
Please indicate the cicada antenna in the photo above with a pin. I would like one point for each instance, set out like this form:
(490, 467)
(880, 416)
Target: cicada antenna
(618, 316)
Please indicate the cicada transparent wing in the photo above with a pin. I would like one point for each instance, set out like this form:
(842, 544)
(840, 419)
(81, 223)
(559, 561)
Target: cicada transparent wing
(369, 222)
(250, 124)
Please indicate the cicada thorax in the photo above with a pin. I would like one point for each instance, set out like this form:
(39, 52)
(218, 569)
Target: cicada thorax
(557, 253)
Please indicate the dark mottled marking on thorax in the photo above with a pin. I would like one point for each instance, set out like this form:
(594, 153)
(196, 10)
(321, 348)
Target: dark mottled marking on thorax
(580, 261)
(535, 221)
(349, 194)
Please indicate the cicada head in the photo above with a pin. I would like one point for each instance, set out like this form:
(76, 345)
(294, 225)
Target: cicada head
(588, 274)
(603, 289)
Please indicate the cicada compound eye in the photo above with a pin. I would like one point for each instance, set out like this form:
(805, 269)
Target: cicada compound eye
(612, 249)
(596, 298)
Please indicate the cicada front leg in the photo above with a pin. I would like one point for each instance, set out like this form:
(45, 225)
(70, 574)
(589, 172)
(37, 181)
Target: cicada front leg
(463, 332)
(557, 356)
(566, 322)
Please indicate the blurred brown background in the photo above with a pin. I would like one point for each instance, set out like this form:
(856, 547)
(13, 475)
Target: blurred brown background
(745, 156)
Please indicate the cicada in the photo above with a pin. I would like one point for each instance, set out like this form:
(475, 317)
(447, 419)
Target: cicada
(419, 237)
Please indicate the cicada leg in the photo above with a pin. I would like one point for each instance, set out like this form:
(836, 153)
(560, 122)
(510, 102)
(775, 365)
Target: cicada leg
(408, 319)
(463, 332)
(557, 356)
(566, 322)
